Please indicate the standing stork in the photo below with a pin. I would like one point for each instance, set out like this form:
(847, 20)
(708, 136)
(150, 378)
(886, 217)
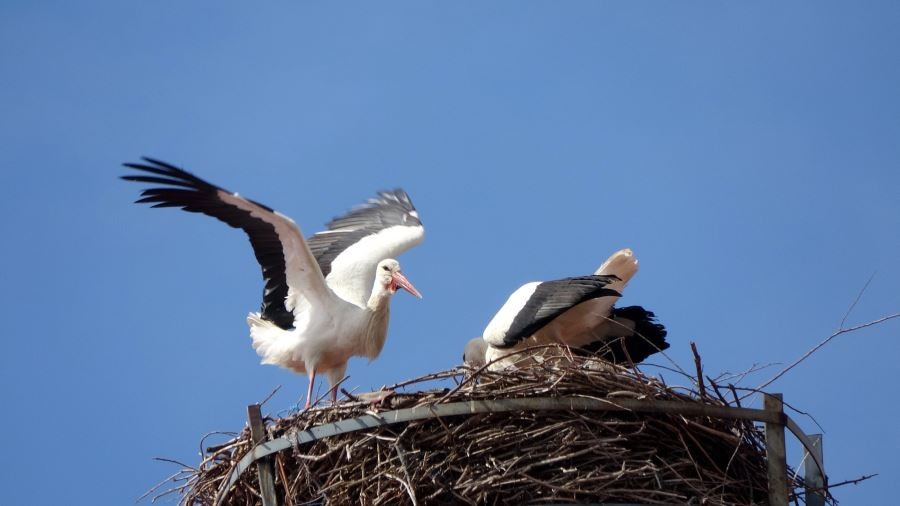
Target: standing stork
(576, 312)
(326, 299)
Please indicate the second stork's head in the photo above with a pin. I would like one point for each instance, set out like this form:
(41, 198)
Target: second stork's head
(474, 353)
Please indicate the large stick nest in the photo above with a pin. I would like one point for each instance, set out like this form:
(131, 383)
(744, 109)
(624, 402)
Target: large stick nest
(519, 457)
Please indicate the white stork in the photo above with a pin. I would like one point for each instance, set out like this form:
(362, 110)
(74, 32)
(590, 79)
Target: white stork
(325, 299)
(577, 312)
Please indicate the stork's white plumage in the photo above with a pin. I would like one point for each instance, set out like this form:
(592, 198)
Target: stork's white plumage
(326, 299)
(576, 312)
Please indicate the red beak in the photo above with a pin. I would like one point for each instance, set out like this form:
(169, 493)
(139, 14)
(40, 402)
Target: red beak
(400, 280)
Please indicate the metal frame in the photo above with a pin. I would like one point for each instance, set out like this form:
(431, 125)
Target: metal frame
(773, 416)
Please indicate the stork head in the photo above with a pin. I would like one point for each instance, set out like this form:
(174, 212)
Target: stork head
(389, 275)
(474, 352)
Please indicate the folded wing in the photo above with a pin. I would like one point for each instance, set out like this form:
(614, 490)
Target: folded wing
(534, 305)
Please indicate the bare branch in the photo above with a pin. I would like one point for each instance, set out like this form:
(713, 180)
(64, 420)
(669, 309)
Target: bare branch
(854, 482)
(823, 343)
(269, 396)
(697, 363)
(858, 296)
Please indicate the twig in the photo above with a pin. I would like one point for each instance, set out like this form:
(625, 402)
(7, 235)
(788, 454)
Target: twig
(854, 482)
(349, 395)
(699, 367)
(738, 377)
(288, 497)
(211, 449)
(806, 414)
(823, 343)
(858, 296)
(158, 485)
(171, 461)
(408, 482)
(269, 396)
(737, 401)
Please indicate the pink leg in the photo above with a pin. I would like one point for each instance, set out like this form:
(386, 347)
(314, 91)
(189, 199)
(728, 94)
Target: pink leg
(334, 395)
(309, 391)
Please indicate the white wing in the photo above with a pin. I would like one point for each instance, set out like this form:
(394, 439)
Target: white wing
(349, 251)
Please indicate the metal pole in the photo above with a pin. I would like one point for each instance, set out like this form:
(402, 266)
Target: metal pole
(775, 451)
(264, 465)
(812, 477)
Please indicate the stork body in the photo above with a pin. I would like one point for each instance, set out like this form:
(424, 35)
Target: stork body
(325, 300)
(581, 319)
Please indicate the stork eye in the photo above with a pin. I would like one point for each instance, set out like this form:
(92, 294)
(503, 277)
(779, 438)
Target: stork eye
(385, 267)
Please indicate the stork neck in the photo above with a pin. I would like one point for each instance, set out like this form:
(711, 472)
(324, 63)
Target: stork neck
(376, 327)
(380, 298)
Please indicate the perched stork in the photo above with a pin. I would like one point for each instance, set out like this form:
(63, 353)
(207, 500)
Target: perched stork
(577, 312)
(325, 300)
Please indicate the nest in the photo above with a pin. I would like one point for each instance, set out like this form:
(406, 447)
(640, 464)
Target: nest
(515, 457)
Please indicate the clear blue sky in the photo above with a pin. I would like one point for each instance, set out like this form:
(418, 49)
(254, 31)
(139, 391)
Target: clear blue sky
(749, 152)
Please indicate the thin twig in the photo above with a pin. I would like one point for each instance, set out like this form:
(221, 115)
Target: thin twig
(699, 366)
(172, 461)
(738, 377)
(855, 301)
(269, 396)
(853, 482)
(823, 343)
(160, 484)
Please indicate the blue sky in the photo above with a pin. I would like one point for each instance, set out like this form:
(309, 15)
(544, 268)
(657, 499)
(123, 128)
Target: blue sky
(747, 151)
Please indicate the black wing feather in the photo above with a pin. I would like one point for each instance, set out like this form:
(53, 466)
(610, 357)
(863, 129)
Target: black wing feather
(648, 338)
(190, 193)
(551, 299)
(387, 209)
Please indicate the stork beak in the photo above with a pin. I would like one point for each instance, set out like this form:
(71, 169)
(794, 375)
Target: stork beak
(401, 281)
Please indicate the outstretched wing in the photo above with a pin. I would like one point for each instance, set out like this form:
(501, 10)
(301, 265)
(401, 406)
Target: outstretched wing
(288, 267)
(534, 305)
(348, 252)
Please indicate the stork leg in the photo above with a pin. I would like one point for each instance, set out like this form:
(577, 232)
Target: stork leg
(309, 391)
(335, 375)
